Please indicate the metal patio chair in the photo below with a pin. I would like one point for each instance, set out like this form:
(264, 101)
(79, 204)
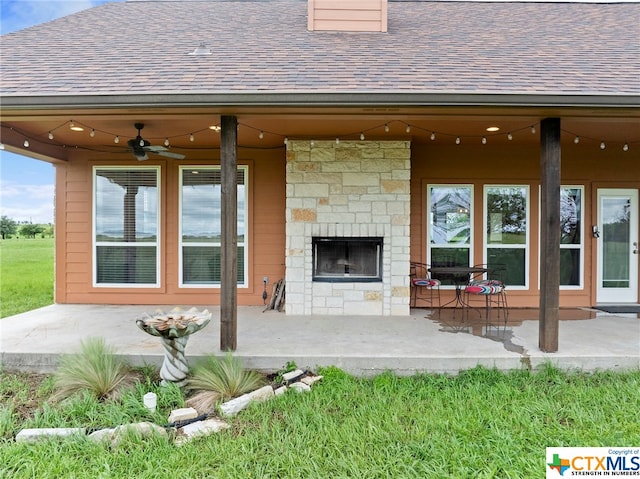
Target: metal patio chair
(492, 289)
(424, 288)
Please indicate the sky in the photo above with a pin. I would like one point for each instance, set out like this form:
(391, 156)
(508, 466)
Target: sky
(26, 185)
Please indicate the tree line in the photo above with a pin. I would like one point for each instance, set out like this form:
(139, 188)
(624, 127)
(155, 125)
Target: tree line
(10, 228)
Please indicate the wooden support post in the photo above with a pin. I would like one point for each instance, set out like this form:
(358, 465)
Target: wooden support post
(229, 239)
(549, 234)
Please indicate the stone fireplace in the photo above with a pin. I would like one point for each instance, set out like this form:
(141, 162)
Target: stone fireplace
(347, 232)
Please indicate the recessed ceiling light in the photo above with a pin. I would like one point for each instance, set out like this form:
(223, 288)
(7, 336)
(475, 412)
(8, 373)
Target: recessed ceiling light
(493, 128)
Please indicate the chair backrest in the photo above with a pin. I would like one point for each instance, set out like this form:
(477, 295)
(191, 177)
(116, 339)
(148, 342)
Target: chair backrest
(495, 272)
(418, 270)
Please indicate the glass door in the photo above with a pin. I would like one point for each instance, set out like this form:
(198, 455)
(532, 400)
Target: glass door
(617, 245)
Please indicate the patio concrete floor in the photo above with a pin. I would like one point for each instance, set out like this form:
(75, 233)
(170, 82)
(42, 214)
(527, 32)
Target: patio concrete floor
(360, 345)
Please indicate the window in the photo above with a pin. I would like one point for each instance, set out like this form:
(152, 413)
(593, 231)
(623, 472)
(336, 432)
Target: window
(450, 230)
(200, 226)
(506, 231)
(126, 231)
(571, 236)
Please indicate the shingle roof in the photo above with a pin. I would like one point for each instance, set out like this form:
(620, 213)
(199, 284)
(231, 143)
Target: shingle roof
(264, 46)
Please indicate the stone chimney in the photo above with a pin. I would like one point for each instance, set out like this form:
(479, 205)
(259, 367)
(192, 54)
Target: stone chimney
(347, 15)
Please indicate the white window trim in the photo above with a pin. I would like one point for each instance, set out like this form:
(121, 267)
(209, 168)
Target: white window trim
(245, 243)
(526, 246)
(95, 244)
(429, 221)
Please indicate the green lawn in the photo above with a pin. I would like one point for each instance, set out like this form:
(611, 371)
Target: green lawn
(479, 424)
(26, 274)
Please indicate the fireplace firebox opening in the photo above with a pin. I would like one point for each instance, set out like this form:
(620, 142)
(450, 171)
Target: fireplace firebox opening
(347, 259)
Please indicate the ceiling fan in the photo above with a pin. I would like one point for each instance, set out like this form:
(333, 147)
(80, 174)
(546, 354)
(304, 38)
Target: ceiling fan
(140, 147)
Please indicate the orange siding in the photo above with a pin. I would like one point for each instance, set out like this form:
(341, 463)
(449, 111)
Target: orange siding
(586, 166)
(265, 239)
(268, 222)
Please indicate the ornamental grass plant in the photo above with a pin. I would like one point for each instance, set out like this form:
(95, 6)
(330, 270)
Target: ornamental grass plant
(95, 370)
(216, 379)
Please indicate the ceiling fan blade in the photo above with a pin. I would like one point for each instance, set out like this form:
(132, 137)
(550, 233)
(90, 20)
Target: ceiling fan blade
(162, 151)
(154, 148)
(169, 154)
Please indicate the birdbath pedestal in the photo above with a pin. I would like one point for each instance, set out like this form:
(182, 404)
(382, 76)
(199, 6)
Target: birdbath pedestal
(174, 329)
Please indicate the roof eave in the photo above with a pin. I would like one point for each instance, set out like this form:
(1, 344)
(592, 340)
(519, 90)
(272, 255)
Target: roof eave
(322, 99)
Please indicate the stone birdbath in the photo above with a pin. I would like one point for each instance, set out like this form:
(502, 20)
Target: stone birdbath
(174, 329)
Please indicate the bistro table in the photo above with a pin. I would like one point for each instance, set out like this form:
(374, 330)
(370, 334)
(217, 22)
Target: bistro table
(460, 275)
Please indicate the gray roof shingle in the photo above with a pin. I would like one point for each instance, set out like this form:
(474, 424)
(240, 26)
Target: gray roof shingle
(263, 46)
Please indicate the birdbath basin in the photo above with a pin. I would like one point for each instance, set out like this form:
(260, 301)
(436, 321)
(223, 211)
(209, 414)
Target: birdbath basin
(174, 329)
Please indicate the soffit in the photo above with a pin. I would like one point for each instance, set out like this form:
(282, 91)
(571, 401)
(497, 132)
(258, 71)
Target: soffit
(274, 125)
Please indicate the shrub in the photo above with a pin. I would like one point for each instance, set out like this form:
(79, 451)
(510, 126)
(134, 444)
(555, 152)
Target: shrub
(218, 379)
(95, 370)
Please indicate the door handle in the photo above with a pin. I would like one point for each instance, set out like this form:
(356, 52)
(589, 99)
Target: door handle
(635, 246)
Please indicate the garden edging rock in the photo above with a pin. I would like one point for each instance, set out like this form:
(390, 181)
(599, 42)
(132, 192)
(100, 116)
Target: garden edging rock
(296, 380)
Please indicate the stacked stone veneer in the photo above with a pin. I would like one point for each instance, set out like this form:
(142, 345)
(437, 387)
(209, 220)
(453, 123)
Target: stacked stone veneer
(348, 189)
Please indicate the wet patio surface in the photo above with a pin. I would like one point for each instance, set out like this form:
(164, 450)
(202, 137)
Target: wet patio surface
(425, 341)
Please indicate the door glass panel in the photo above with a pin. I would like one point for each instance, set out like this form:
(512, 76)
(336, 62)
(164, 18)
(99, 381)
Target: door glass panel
(616, 242)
